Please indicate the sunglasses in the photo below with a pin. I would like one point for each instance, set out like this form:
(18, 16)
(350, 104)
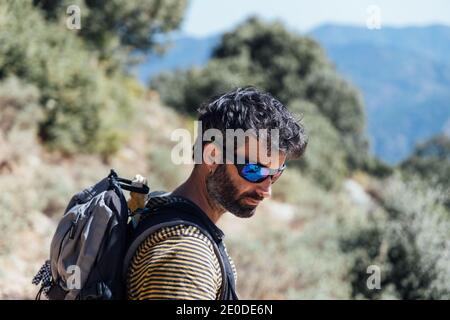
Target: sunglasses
(256, 173)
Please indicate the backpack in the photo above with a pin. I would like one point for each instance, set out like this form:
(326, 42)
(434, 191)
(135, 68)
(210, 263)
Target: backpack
(97, 237)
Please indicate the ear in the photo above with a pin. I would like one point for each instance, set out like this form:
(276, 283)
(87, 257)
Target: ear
(212, 156)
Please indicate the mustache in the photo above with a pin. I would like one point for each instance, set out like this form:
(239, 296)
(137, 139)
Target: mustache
(252, 195)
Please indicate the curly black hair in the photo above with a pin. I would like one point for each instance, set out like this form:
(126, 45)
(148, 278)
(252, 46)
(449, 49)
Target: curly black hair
(250, 108)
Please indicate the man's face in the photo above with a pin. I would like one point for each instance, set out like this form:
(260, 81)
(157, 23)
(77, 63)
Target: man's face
(235, 194)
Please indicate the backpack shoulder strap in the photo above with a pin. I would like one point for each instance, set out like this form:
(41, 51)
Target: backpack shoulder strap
(175, 211)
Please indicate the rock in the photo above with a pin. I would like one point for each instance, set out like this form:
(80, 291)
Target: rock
(357, 193)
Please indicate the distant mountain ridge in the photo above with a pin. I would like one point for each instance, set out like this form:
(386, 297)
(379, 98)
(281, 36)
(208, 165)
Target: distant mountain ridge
(404, 76)
(402, 73)
(183, 52)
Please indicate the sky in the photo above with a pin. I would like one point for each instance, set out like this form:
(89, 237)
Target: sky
(207, 17)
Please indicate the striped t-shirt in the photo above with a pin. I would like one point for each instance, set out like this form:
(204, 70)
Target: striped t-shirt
(175, 262)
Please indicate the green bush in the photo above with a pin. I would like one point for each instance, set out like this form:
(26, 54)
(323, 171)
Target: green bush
(408, 239)
(18, 106)
(111, 25)
(82, 105)
(431, 161)
(325, 159)
(187, 90)
(19, 119)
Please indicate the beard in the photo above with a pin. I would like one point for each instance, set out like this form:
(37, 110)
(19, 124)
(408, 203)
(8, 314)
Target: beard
(222, 191)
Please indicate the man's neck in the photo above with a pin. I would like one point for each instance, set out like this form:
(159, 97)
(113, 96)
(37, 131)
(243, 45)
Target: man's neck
(194, 189)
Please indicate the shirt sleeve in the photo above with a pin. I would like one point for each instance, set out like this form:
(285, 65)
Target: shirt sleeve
(173, 265)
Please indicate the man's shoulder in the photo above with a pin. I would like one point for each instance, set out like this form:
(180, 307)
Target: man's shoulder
(178, 234)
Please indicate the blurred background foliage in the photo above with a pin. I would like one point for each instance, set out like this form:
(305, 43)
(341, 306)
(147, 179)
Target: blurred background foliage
(289, 66)
(69, 111)
(116, 25)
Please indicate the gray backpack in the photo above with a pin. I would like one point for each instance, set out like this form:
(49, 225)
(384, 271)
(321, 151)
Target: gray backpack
(98, 235)
(87, 249)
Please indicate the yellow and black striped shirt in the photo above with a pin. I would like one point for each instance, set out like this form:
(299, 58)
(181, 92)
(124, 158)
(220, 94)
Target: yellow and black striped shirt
(176, 262)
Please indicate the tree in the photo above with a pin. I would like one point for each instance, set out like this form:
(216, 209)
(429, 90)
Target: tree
(81, 104)
(108, 24)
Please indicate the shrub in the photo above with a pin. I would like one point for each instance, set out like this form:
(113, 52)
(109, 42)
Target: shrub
(19, 119)
(81, 103)
(409, 242)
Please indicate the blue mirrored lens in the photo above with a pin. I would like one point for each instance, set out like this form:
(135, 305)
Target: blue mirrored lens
(254, 172)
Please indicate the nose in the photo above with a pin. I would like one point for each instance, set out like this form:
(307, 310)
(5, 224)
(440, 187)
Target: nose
(265, 188)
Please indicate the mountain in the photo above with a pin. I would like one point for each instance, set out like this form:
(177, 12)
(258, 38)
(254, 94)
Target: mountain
(183, 52)
(402, 73)
(404, 76)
